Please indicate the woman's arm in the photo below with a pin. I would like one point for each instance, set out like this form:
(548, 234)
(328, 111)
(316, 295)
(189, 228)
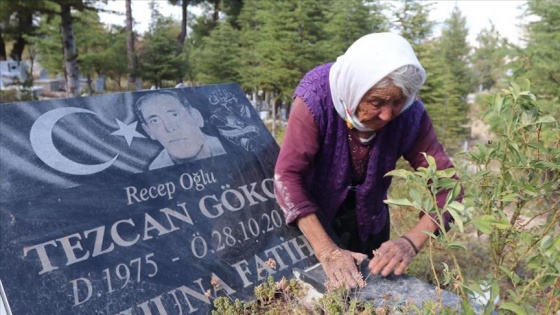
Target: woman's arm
(296, 157)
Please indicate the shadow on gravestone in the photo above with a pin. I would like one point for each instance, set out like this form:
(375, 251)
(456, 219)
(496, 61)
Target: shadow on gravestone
(135, 203)
(392, 291)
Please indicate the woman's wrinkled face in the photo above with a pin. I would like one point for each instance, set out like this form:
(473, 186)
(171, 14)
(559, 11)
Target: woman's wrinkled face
(379, 106)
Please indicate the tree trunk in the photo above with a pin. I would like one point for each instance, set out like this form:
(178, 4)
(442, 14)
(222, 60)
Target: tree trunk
(131, 54)
(25, 21)
(17, 49)
(182, 36)
(3, 55)
(90, 85)
(270, 103)
(70, 53)
(216, 14)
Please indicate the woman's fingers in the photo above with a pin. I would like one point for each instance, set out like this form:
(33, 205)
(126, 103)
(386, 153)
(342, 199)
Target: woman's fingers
(392, 256)
(402, 266)
(358, 257)
(341, 268)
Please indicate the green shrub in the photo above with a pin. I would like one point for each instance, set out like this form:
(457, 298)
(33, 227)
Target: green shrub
(517, 183)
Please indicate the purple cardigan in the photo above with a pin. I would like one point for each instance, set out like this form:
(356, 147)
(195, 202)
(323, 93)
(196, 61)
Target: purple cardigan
(313, 171)
(333, 166)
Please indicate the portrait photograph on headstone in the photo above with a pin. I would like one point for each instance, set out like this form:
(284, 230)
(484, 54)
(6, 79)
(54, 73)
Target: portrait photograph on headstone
(149, 202)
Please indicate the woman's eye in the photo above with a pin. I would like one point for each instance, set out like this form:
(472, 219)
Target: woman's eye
(153, 120)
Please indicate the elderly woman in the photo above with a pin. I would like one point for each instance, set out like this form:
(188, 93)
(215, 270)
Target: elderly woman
(350, 123)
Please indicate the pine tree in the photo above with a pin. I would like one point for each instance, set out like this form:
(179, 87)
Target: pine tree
(435, 91)
(489, 59)
(157, 61)
(66, 10)
(455, 50)
(440, 94)
(249, 61)
(115, 59)
(180, 46)
(280, 41)
(310, 24)
(100, 51)
(540, 60)
(411, 20)
(217, 61)
(26, 11)
(48, 44)
(92, 39)
(448, 106)
(350, 20)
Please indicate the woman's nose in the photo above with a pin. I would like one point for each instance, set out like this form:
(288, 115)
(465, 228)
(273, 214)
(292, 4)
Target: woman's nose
(386, 113)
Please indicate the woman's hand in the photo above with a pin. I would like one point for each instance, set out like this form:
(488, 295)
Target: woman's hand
(392, 255)
(341, 267)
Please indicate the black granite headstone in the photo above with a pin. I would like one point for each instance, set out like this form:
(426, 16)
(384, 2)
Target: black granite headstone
(149, 202)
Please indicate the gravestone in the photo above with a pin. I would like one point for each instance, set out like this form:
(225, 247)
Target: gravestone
(391, 291)
(100, 84)
(43, 74)
(101, 212)
(12, 72)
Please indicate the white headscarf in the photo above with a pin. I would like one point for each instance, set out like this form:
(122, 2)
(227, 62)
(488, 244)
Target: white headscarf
(364, 64)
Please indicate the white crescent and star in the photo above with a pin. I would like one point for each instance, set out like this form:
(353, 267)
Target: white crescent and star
(42, 143)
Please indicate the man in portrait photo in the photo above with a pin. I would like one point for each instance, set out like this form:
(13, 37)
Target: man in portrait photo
(168, 118)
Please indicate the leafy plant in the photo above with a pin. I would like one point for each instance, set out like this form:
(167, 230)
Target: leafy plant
(516, 184)
(271, 297)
